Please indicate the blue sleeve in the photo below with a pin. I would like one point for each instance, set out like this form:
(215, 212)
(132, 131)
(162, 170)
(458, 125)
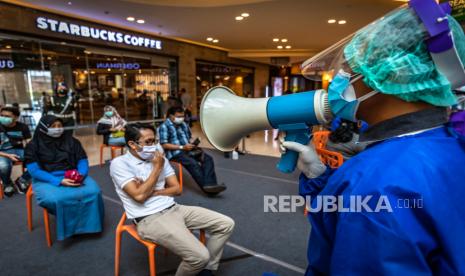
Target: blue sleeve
(41, 175)
(367, 244)
(163, 132)
(312, 186)
(83, 167)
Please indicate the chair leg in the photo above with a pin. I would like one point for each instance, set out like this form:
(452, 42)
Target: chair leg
(113, 153)
(47, 228)
(1, 190)
(180, 176)
(203, 239)
(29, 209)
(151, 250)
(101, 156)
(117, 251)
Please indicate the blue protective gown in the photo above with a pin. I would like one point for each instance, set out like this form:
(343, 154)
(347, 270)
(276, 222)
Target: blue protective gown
(428, 239)
(77, 210)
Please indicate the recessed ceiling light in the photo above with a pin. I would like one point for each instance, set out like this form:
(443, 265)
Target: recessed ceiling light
(209, 39)
(8, 46)
(340, 22)
(279, 47)
(109, 69)
(332, 21)
(288, 47)
(140, 21)
(275, 39)
(239, 18)
(70, 3)
(130, 18)
(244, 14)
(215, 41)
(284, 40)
(63, 43)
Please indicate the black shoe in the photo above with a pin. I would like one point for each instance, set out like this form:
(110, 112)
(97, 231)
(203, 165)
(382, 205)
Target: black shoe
(21, 185)
(9, 190)
(214, 189)
(206, 272)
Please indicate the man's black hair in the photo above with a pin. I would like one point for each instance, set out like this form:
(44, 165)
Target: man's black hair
(11, 109)
(132, 132)
(174, 109)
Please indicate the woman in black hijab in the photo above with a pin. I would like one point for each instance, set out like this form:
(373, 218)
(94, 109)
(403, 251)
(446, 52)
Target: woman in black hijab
(77, 204)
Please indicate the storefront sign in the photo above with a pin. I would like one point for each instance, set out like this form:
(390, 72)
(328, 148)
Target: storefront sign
(6, 64)
(127, 66)
(53, 25)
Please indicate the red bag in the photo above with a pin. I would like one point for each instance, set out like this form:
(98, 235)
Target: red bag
(74, 175)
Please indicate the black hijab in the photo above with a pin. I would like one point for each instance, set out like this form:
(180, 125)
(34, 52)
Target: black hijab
(53, 154)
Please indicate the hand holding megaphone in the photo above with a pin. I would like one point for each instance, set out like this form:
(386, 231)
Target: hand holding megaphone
(308, 162)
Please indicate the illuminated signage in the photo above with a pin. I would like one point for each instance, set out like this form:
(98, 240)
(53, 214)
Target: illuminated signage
(127, 66)
(63, 27)
(7, 64)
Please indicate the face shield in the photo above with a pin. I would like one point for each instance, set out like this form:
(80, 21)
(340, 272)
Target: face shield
(415, 52)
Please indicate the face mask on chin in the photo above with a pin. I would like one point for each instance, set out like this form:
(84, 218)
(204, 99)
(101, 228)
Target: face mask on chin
(178, 120)
(147, 152)
(5, 120)
(55, 132)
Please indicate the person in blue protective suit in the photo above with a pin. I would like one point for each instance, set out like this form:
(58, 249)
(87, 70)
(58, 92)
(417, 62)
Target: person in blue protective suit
(414, 166)
(76, 204)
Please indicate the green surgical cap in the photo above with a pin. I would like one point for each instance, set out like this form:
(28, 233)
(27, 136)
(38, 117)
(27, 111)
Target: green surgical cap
(393, 58)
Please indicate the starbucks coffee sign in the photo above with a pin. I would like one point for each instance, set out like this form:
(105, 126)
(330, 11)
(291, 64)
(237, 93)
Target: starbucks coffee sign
(77, 30)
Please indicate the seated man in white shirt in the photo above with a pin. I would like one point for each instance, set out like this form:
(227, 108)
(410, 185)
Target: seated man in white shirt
(146, 184)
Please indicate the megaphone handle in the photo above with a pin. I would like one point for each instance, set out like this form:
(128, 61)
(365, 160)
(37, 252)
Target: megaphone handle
(288, 160)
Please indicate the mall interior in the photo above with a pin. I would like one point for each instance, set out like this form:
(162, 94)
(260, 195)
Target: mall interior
(232, 137)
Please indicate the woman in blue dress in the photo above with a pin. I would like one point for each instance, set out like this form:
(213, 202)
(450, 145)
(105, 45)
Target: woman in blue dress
(77, 206)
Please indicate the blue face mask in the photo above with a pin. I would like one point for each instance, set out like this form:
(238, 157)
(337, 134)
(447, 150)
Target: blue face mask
(5, 120)
(342, 98)
(109, 113)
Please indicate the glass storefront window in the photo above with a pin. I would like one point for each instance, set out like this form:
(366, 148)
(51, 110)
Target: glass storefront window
(133, 82)
(239, 79)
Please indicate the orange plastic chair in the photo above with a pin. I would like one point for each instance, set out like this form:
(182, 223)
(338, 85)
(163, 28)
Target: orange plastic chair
(2, 195)
(331, 158)
(131, 229)
(29, 195)
(113, 152)
(320, 138)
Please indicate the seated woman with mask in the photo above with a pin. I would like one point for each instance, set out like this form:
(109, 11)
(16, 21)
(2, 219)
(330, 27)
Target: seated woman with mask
(58, 165)
(111, 126)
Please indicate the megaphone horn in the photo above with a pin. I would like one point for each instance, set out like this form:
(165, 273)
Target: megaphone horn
(225, 118)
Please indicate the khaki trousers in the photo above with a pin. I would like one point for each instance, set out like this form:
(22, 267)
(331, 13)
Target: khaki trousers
(171, 229)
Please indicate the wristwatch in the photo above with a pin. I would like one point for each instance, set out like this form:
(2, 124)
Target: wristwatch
(181, 147)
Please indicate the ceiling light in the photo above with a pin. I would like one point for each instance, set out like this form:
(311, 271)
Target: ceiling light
(284, 40)
(209, 39)
(279, 47)
(340, 22)
(140, 21)
(244, 14)
(70, 3)
(332, 21)
(275, 39)
(215, 41)
(8, 46)
(288, 47)
(109, 70)
(239, 18)
(130, 18)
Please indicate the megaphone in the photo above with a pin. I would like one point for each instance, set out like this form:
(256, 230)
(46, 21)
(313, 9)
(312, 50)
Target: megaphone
(225, 118)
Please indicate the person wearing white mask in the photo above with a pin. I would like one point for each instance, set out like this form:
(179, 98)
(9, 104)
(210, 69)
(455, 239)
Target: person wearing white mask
(175, 136)
(50, 157)
(146, 184)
